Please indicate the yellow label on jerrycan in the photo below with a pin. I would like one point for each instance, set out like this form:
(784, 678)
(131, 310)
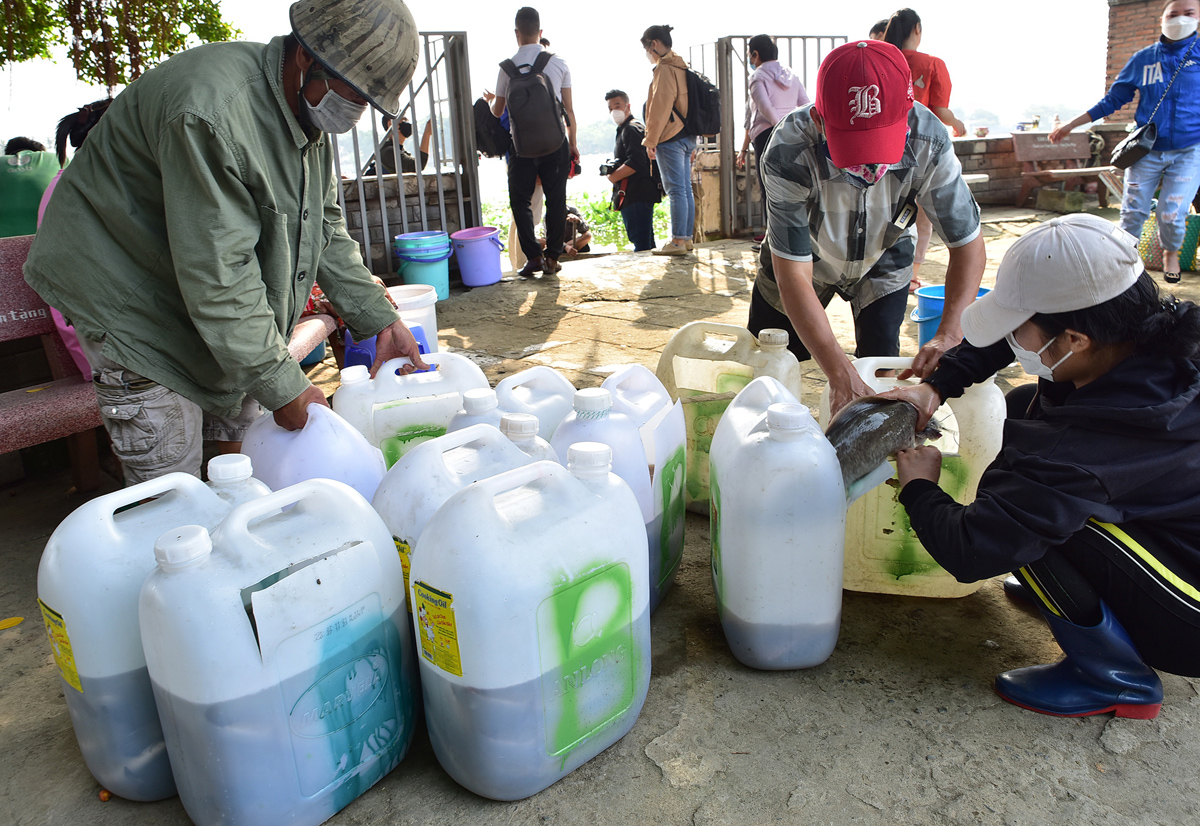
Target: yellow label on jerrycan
(883, 554)
(705, 365)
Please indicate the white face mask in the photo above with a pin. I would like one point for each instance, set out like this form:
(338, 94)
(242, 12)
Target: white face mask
(1032, 362)
(618, 115)
(334, 114)
(1177, 28)
(651, 56)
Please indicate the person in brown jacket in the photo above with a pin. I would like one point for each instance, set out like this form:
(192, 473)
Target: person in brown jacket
(666, 139)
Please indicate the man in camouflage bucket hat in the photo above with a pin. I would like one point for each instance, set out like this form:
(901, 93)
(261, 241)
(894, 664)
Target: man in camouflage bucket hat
(185, 236)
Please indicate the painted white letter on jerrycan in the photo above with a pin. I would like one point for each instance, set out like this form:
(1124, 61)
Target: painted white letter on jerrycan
(282, 669)
(429, 474)
(704, 358)
(638, 394)
(88, 583)
(595, 420)
(883, 555)
(777, 529)
(533, 623)
(327, 447)
(397, 412)
(540, 390)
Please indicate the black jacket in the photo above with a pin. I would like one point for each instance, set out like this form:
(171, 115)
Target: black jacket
(642, 186)
(1123, 449)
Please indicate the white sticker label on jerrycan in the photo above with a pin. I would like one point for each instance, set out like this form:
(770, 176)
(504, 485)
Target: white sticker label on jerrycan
(883, 554)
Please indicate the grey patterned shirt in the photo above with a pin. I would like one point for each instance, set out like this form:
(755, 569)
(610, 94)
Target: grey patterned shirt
(816, 212)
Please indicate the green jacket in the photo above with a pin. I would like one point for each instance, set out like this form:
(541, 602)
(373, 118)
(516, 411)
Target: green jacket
(189, 228)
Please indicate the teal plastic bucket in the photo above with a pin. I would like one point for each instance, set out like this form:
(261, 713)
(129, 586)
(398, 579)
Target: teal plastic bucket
(477, 251)
(420, 241)
(928, 313)
(434, 273)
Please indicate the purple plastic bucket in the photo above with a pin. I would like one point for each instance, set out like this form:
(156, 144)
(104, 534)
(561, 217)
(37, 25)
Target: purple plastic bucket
(478, 252)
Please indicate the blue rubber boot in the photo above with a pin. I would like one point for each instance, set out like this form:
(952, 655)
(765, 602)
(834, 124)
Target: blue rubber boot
(1102, 671)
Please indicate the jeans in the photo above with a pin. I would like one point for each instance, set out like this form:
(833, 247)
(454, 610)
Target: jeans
(639, 224)
(523, 175)
(675, 165)
(1178, 171)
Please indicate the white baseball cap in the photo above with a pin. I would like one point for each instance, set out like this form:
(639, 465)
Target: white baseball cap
(1068, 263)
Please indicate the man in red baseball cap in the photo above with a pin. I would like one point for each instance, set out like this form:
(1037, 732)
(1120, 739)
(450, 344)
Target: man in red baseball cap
(844, 176)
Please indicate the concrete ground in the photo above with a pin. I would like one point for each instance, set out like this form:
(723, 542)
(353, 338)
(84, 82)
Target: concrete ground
(899, 726)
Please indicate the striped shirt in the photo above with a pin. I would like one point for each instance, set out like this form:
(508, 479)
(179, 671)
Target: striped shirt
(818, 213)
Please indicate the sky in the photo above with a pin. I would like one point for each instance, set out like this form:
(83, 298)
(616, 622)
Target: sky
(1014, 59)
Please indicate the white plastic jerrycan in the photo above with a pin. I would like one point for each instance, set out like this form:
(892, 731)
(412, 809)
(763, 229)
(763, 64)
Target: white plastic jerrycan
(231, 476)
(883, 555)
(397, 412)
(327, 447)
(641, 396)
(532, 615)
(705, 359)
(429, 474)
(280, 661)
(777, 529)
(540, 390)
(479, 407)
(522, 431)
(595, 420)
(88, 583)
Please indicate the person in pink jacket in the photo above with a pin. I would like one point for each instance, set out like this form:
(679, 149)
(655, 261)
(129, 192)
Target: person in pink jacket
(774, 91)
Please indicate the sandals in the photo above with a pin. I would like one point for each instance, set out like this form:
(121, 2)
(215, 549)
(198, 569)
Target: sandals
(1172, 277)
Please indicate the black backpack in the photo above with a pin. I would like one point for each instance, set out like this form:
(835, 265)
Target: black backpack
(704, 107)
(491, 138)
(535, 115)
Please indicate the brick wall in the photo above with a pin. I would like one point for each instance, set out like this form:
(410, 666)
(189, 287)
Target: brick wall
(1132, 25)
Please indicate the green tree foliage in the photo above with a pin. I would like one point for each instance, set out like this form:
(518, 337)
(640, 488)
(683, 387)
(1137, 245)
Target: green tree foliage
(111, 42)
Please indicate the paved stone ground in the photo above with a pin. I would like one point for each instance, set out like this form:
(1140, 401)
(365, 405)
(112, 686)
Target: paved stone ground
(900, 726)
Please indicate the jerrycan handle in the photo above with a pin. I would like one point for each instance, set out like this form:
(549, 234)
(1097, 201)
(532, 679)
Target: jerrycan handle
(184, 483)
(331, 496)
(387, 370)
(510, 479)
(697, 331)
(483, 433)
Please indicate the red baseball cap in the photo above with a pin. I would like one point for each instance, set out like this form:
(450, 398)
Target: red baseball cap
(864, 95)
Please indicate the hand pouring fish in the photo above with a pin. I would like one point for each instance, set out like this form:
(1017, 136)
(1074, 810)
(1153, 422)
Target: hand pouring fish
(866, 432)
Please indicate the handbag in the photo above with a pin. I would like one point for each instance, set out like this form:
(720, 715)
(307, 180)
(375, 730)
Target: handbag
(1141, 140)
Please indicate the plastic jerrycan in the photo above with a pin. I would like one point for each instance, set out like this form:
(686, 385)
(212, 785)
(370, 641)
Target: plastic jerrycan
(231, 476)
(595, 420)
(327, 447)
(705, 358)
(397, 412)
(778, 522)
(424, 478)
(522, 429)
(282, 669)
(88, 583)
(531, 609)
(638, 394)
(540, 390)
(883, 555)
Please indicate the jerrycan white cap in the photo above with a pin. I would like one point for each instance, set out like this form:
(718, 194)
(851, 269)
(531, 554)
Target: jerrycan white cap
(593, 402)
(479, 400)
(589, 459)
(231, 467)
(773, 337)
(518, 425)
(182, 547)
(355, 373)
(787, 416)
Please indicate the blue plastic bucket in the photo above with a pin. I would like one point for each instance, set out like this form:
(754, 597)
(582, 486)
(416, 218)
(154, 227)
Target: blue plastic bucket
(421, 241)
(928, 313)
(478, 253)
(434, 273)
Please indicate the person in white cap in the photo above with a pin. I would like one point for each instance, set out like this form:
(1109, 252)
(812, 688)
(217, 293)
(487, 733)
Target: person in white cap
(844, 177)
(1094, 498)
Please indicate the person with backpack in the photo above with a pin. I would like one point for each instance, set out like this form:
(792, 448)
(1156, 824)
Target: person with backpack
(667, 140)
(844, 177)
(635, 184)
(535, 87)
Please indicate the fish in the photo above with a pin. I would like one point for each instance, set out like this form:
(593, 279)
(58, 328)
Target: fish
(870, 429)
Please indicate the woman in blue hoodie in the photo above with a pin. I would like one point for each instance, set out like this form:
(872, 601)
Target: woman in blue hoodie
(1094, 498)
(1174, 164)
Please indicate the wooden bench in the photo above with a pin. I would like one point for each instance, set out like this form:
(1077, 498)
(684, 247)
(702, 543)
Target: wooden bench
(1066, 162)
(66, 407)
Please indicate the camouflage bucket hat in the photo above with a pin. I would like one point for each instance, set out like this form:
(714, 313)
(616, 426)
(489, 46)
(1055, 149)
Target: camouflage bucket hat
(370, 44)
